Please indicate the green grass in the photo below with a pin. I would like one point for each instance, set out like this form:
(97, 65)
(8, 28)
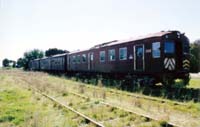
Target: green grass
(22, 107)
(194, 83)
(14, 104)
(51, 114)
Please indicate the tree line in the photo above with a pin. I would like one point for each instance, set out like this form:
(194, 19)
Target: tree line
(23, 62)
(195, 56)
(35, 54)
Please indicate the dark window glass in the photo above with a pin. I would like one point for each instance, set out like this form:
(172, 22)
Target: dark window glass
(139, 52)
(123, 53)
(102, 56)
(73, 59)
(83, 58)
(169, 47)
(78, 59)
(111, 54)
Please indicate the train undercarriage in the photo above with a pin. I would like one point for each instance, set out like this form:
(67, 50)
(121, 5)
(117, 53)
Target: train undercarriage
(132, 80)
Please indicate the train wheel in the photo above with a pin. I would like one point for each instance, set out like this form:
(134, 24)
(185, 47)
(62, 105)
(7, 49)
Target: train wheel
(186, 80)
(167, 81)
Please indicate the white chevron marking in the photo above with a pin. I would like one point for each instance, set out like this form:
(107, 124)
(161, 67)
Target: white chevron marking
(169, 63)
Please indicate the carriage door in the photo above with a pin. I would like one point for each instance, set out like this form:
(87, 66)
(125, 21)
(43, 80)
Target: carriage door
(139, 57)
(90, 61)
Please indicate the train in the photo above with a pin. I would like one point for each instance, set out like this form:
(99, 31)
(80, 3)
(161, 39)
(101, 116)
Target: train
(160, 57)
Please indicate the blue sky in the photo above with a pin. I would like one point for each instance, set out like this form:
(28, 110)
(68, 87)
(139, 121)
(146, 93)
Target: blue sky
(79, 24)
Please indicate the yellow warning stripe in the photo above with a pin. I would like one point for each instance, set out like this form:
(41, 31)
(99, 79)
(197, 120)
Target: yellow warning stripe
(186, 65)
(186, 61)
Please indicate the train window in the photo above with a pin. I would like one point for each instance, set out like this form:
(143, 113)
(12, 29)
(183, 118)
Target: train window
(123, 53)
(169, 47)
(91, 57)
(186, 46)
(102, 56)
(83, 58)
(111, 54)
(78, 59)
(139, 52)
(156, 50)
(73, 59)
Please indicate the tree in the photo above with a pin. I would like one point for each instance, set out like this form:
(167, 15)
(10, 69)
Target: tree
(21, 62)
(13, 64)
(54, 51)
(6, 62)
(195, 56)
(28, 56)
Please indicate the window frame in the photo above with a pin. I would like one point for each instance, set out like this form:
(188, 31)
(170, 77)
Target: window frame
(100, 53)
(110, 54)
(92, 57)
(78, 59)
(73, 59)
(154, 50)
(85, 57)
(120, 49)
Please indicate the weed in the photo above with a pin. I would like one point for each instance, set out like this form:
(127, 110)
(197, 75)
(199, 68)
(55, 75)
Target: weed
(138, 103)
(83, 107)
(55, 105)
(96, 102)
(81, 89)
(38, 98)
(112, 109)
(70, 104)
(65, 94)
(104, 95)
(163, 123)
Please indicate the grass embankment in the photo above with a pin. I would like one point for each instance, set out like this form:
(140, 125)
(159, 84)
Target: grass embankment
(25, 108)
(182, 115)
(194, 83)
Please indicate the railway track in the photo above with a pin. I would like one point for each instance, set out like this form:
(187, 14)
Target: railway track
(126, 110)
(175, 94)
(73, 110)
(98, 123)
(74, 90)
(118, 92)
(162, 103)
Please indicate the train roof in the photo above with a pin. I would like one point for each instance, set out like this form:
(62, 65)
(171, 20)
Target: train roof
(36, 59)
(44, 58)
(63, 54)
(77, 51)
(115, 42)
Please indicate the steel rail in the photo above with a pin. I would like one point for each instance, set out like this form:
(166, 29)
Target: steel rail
(69, 108)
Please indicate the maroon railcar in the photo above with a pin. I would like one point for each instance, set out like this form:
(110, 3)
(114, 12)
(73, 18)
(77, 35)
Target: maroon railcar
(159, 57)
(58, 63)
(34, 65)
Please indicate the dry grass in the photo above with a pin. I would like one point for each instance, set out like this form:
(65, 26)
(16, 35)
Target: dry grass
(59, 87)
(30, 108)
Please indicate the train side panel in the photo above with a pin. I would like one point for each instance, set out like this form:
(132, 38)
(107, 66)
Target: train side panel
(45, 64)
(58, 62)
